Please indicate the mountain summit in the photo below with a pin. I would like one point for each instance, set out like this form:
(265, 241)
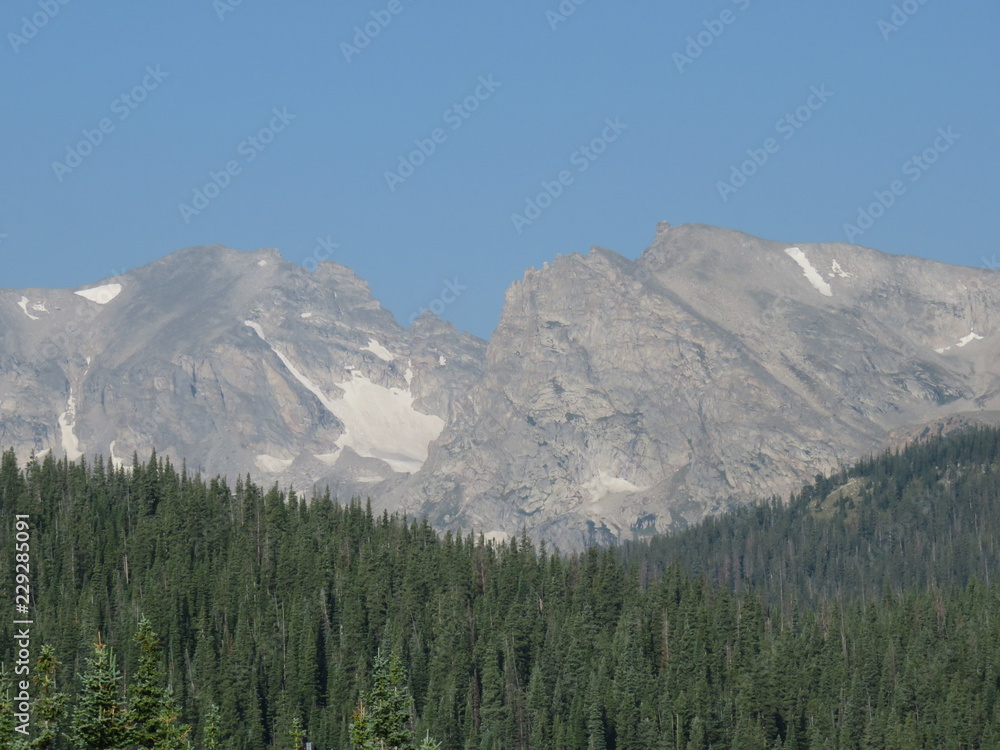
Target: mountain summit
(615, 396)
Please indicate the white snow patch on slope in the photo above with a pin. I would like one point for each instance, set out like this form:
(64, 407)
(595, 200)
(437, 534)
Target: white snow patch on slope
(261, 263)
(814, 276)
(442, 360)
(382, 423)
(272, 464)
(942, 351)
(103, 294)
(379, 422)
(604, 484)
(305, 315)
(969, 339)
(23, 304)
(67, 423)
(39, 307)
(378, 350)
(115, 461)
(838, 271)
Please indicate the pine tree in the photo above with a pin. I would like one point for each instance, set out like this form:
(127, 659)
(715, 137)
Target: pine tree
(50, 705)
(99, 722)
(210, 735)
(382, 719)
(297, 734)
(152, 714)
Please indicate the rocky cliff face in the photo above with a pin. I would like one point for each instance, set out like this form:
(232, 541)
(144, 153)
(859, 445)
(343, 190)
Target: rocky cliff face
(621, 397)
(234, 362)
(615, 398)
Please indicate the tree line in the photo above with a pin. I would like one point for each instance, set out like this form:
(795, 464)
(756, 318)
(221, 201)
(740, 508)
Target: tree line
(277, 618)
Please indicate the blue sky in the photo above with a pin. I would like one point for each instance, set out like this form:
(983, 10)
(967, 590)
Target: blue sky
(412, 155)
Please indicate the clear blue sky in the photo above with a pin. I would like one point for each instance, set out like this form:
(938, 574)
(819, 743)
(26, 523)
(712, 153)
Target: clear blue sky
(886, 92)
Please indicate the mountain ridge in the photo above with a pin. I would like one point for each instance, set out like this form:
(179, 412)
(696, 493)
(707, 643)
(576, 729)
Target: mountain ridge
(615, 396)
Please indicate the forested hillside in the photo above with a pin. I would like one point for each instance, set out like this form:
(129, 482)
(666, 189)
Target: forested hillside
(927, 516)
(273, 609)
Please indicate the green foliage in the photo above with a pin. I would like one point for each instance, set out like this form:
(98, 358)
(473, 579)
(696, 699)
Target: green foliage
(863, 614)
(50, 705)
(382, 719)
(100, 720)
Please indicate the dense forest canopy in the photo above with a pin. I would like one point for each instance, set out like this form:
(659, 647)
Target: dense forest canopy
(859, 615)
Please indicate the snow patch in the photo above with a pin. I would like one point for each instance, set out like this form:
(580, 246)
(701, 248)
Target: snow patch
(305, 315)
(605, 484)
(378, 350)
(942, 351)
(814, 276)
(67, 423)
(23, 304)
(115, 461)
(39, 307)
(272, 464)
(969, 339)
(261, 263)
(379, 422)
(442, 360)
(102, 295)
(838, 271)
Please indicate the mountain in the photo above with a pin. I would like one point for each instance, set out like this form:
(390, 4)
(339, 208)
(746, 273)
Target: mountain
(923, 518)
(615, 397)
(235, 362)
(625, 396)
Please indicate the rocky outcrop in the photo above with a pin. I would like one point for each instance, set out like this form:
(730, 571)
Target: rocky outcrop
(615, 397)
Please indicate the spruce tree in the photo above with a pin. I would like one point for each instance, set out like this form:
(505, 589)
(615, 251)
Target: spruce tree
(100, 719)
(50, 705)
(382, 719)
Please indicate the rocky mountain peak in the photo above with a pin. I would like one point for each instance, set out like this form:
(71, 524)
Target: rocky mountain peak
(616, 397)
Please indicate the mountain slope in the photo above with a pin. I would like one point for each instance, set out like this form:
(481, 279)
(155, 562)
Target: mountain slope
(615, 397)
(925, 517)
(235, 362)
(624, 396)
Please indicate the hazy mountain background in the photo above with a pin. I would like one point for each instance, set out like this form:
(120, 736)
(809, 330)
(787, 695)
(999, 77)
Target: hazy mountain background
(615, 397)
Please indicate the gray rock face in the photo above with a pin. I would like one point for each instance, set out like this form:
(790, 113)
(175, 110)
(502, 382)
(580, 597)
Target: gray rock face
(622, 397)
(615, 398)
(236, 363)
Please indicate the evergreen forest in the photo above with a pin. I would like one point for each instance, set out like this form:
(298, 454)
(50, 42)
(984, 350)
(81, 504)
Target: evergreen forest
(172, 611)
